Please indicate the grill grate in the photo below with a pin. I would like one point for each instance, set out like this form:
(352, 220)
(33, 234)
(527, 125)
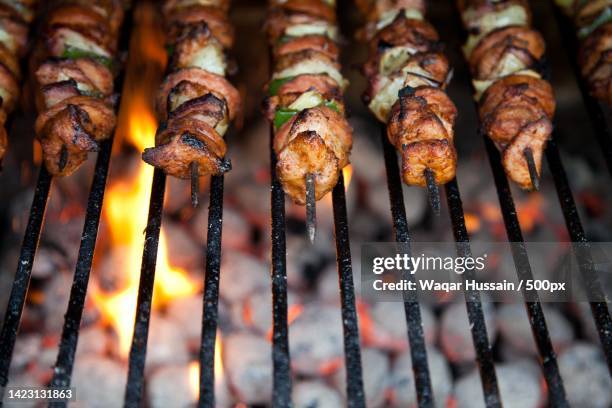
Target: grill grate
(281, 353)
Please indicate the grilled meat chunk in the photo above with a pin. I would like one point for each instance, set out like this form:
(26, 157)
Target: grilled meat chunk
(421, 128)
(316, 141)
(595, 59)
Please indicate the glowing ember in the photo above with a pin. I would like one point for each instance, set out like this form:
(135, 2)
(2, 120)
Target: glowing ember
(125, 208)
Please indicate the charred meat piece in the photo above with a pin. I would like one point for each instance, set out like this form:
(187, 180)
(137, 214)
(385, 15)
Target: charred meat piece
(283, 24)
(482, 16)
(82, 19)
(179, 5)
(421, 128)
(505, 51)
(375, 10)
(516, 113)
(595, 59)
(184, 141)
(9, 89)
(196, 47)
(214, 18)
(202, 82)
(315, 42)
(535, 91)
(421, 69)
(90, 77)
(316, 141)
(323, 9)
(73, 127)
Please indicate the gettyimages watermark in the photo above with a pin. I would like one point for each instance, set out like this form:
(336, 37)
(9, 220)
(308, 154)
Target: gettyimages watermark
(500, 271)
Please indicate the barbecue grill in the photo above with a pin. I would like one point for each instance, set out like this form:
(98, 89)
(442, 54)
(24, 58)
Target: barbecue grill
(281, 356)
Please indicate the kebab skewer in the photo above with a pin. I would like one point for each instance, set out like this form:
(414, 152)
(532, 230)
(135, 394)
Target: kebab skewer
(593, 21)
(15, 19)
(407, 75)
(516, 105)
(74, 64)
(195, 103)
(312, 138)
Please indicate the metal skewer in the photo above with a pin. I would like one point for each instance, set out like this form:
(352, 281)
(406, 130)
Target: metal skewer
(533, 172)
(433, 192)
(195, 183)
(311, 207)
(63, 159)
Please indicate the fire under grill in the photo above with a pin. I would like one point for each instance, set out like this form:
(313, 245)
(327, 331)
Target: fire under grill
(281, 356)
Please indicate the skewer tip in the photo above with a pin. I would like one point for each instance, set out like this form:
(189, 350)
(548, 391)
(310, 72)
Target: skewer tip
(311, 209)
(63, 159)
(531, 166)
(433, 192)
(195, 184)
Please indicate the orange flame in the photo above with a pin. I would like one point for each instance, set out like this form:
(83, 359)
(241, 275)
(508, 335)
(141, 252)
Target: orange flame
(125, 208)
(194, 370)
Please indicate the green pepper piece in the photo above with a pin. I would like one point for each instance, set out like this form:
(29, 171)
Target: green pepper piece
(331, 105)
(282, 116)
(276, 84)
(76, 53)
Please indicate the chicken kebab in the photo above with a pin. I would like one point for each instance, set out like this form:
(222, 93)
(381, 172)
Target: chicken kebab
(312, 137)
(407, 73)
(516, 105)
(593, 20)
(74, 64)
(195, 103)
(15, 19)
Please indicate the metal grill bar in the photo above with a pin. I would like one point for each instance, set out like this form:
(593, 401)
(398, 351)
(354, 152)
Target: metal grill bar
(478, 327)
(548, 358)
(596, 111)
(412, 310)
(599, 307)
(352, 346)
(211, 294)
(138, 350)
(281, 359)
(70, 332)
(21, 282)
